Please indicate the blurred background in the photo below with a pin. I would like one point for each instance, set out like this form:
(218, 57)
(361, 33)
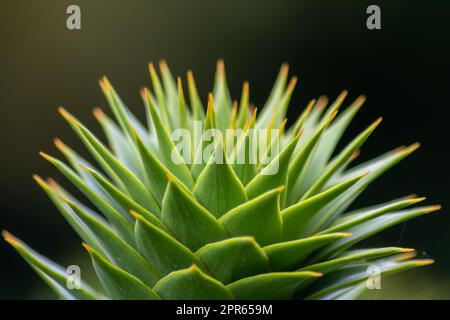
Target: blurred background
(402, 68)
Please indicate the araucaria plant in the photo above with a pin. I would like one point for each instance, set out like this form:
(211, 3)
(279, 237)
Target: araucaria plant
(160, 227)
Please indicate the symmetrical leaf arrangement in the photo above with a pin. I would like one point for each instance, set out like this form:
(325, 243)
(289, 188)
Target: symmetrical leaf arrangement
(163, 230)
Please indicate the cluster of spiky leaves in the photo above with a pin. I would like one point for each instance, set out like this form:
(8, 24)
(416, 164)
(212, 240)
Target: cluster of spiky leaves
(163, 230)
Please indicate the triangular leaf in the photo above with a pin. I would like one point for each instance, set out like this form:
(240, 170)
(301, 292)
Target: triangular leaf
(191, 284)
(192, 224)
(163, 251)
(259, 218)
(232, 259)
(218, 188)
(285, 256)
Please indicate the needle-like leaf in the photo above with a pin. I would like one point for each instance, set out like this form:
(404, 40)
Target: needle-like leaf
(119, 283)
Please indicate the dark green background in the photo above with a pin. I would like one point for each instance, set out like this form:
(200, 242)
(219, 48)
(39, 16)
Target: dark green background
(403, 69)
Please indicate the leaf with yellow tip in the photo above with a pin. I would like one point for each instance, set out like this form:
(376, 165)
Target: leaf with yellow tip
(354, 256)
(75, 161)
(243, 106)
(328, 142)
(353, 275)
(233, 117)
(313, 120)
(196, 104)
(80, 228)
(350, 220)
(183, 112)
(169, 154)
(116, 170)
(334, 107)
(55, 275)
(160, 95)
(298, 167)
(298, 125)
(222, 98)
(340, 159)
(245, 154)
(274, 98)
(79, 164)
(123, 116)
(363, 230)
(282, 107)
(206, 138)
(113, 216)
(170, 94)
(120, 144)
(274, 143)
(375, 168)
